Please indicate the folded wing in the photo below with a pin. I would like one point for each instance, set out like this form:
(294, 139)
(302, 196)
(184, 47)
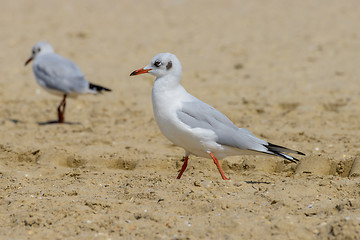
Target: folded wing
(197, 114)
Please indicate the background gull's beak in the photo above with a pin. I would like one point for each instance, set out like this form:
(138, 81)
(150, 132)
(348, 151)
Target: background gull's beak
(29, 60)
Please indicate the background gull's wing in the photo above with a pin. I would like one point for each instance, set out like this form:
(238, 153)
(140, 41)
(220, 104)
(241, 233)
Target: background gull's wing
(58, 73)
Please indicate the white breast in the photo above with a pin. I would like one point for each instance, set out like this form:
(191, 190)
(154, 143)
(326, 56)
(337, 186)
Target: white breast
(166, 102)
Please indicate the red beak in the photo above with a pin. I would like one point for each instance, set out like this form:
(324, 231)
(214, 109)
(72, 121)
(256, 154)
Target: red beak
(139, 71)
(29, 60)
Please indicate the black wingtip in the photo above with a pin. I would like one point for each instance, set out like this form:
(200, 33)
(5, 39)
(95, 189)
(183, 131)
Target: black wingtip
(279, 148)
(294, 160)
(287, 157)
(280, 151)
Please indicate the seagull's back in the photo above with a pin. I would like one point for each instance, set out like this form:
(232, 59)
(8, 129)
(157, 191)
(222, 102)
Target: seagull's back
(54, 72)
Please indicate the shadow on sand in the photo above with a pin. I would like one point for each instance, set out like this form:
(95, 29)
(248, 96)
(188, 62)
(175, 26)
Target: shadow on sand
(257, 182)
(57, 122)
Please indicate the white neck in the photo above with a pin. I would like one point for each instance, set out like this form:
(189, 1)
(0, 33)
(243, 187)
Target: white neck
(166, 83)
(167, 90)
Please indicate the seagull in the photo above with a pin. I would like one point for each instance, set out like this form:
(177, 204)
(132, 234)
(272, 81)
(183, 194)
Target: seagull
(196, 126)
(59, 75)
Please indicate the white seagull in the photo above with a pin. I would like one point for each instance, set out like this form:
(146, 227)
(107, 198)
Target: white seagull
(196, 126)
(59, 75)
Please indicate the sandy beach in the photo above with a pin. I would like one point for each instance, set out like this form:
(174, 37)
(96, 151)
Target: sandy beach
(286, 70)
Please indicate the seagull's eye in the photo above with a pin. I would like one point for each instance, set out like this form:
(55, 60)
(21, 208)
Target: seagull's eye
(36, 50)
(157, 63)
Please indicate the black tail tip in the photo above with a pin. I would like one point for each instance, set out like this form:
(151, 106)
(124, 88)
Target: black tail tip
(98, 88)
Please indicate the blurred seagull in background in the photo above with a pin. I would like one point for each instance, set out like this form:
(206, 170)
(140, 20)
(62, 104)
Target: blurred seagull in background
(196, 126)
(59, 75)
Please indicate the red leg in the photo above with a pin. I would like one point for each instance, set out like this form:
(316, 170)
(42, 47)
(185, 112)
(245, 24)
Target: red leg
(183, 166)
(61, 110)
(218, 166)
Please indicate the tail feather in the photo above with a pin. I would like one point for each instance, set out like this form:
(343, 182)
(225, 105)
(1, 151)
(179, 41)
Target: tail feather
(98, 88)
(279, 151)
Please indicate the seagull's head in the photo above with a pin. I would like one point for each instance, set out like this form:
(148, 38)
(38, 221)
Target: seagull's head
(161, 65)
(38, 49)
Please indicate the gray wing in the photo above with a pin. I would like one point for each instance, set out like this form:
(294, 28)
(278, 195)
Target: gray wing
(198, 114)
(58, 73)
